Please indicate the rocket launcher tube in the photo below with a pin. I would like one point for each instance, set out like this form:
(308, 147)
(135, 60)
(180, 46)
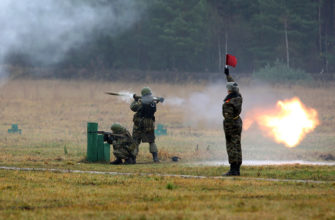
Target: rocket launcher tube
(136, 97)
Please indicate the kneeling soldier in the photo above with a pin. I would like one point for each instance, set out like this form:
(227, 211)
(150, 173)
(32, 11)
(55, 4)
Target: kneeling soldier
(123, 145)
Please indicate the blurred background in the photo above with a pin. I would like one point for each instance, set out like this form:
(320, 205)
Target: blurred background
(57, 58)
(167, 40)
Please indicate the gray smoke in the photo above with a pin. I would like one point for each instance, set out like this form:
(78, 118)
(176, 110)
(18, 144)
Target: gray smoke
(204, 107)
(126, 96)
(46, 30)
(174, 101)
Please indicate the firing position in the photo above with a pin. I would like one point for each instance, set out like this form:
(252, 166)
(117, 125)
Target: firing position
(144, 121)
(232, 125)
(123, 144)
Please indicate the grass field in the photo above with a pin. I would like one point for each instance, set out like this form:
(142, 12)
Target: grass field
(53, 115)
(44, 195)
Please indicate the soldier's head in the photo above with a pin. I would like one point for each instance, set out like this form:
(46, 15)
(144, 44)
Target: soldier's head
(117, 128)
(232, 87)
(146, 91)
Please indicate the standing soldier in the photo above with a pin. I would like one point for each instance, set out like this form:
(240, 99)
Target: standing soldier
(232, 125)
(123, 145)
(144, 119)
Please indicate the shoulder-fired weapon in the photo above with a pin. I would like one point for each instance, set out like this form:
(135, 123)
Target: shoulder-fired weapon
(136, 97)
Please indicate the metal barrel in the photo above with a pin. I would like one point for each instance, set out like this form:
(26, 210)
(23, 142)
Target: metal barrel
(107, 156)
(92, 128)
(100, 147)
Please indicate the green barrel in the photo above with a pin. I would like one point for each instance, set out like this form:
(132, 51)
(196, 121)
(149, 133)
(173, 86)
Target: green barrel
(100, 147)
(92, 155)
(107, 152)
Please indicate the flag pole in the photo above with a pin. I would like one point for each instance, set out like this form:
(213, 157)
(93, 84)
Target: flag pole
(226, 36)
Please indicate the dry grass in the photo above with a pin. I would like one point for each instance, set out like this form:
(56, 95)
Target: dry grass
(41, 195)
(54, 113)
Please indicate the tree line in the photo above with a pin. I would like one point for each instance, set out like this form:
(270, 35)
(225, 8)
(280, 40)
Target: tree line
(194, 36)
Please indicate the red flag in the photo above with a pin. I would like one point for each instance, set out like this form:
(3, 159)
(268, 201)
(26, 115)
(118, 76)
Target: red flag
(231, 60)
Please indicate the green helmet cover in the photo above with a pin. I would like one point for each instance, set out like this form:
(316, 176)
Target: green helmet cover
(232, 86)
(146, 91)
(117, 128)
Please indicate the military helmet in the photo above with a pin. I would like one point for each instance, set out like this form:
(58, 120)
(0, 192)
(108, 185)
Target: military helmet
(232, 86)
(117, 128)
(146, 91)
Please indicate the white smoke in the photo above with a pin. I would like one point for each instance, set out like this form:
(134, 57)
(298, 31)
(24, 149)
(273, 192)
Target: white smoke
(199, 108)
(46, 30)
(126, 96)
(174, 101)
(203, 107)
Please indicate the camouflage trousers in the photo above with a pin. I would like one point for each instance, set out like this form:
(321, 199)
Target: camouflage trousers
(125, 152)
(144, 131)
(152, 147)
(233, 131)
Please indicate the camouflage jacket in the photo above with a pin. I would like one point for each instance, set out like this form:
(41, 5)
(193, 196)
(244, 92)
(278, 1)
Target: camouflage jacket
(232, 105)
(144, 108)
(123, 142)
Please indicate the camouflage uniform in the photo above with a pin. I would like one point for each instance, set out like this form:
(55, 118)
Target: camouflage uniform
(144, 123)
(232, 125)
(123, 145)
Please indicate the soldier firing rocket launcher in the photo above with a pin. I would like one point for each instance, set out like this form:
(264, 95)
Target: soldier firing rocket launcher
(136, 97)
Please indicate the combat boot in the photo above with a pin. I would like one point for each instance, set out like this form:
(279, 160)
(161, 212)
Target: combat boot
(117, 161)
(155, 157)
(129, 161)
(233, 170)
(229, 173)
(238, 168)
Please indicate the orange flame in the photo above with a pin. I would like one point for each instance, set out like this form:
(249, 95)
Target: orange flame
(288, 123)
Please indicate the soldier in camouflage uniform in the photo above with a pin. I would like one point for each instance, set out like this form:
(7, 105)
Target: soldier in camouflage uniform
(144, 122)
(232, 125)
(123, 145)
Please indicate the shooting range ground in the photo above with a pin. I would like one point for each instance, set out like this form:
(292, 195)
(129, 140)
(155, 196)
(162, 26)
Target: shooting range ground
(38, 195)
(53, 116)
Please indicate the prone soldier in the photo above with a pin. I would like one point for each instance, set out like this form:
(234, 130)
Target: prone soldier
(144, 121)
(232, 125)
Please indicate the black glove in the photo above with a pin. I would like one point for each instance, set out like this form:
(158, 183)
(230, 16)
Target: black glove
(226, 70)
(109, 139)
(106, 137)
(135, 97)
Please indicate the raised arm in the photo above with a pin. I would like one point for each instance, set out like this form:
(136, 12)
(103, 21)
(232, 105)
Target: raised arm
(229, 78)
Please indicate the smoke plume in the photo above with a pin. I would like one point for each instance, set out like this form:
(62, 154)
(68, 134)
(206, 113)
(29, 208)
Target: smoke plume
(46, 30)
(201, 107)
(204, 107)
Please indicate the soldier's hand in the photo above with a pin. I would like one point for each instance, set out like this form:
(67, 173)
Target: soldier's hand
(135, 97)
(226, 70)
(106, 137)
